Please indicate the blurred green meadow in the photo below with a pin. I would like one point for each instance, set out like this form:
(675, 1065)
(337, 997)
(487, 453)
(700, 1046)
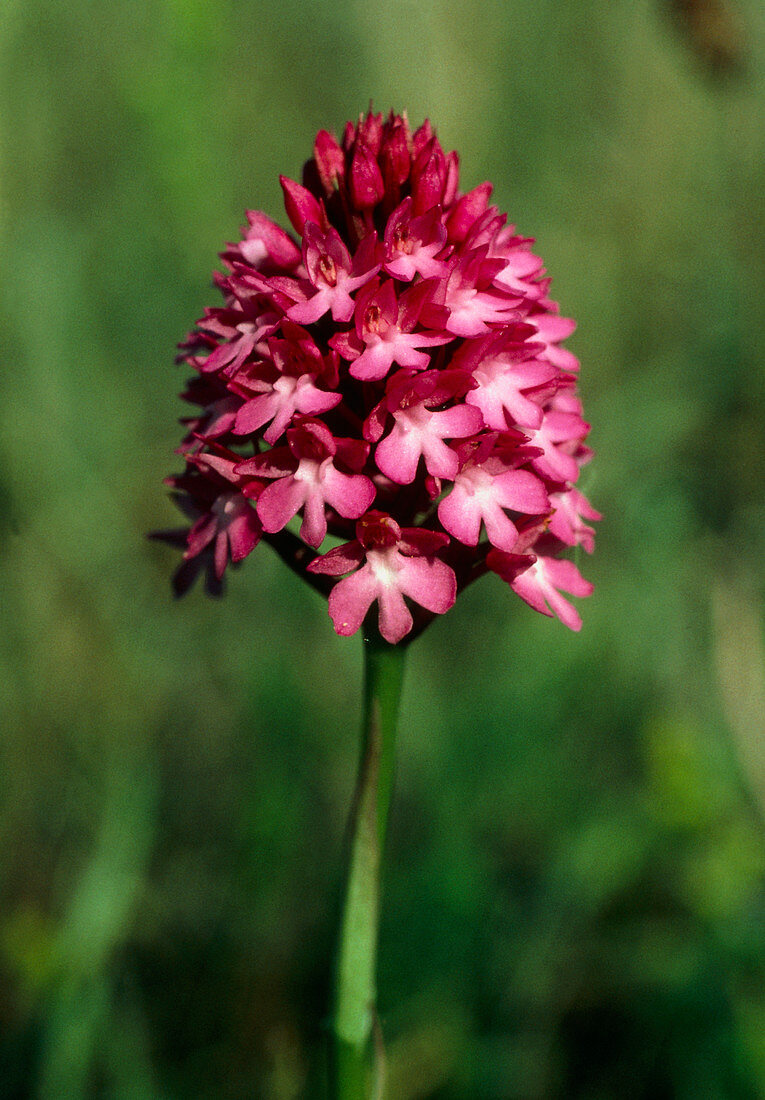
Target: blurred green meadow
(575, 889)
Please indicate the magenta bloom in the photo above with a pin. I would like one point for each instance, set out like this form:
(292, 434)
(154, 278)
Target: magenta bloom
(392, 376)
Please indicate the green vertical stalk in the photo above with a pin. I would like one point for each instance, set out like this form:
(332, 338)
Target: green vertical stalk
(356, 1062)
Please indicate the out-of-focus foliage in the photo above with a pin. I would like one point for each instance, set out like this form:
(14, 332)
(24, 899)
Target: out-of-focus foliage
(574, 894)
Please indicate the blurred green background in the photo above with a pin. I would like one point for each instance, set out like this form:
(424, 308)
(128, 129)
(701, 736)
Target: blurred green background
(574, 900)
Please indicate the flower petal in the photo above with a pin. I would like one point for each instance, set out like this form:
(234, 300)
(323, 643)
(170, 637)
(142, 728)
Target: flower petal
(350, 599)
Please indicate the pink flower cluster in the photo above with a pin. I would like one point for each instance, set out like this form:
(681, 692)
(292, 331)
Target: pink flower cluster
(393, 376)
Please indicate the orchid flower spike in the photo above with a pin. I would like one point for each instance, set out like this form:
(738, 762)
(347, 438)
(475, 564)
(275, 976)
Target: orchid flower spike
(392, 377)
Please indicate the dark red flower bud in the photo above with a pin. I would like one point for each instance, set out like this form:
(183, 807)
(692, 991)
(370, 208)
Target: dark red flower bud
(300, 204)
(366, 182)
(330, 161)
(428, 177)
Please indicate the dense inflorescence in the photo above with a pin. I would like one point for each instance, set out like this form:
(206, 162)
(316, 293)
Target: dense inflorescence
(394, 378)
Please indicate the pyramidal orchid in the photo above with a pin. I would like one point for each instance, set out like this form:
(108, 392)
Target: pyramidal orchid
(390, 376)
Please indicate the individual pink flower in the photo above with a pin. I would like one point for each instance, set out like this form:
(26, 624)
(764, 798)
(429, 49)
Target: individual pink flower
(539, 584)
(385, 331)
(472, 303)
(396, 563)
(551, 329)
(239, 330)
(522, 271)
(571, 509)
(264, 246)
(413, 244)
(226, 526)
(219, 409)
(284, 385)
(306, 478)
(233, 525)
(393, 365)
(557, 437)
(420, 426)
(486, 486)
(332, 277)
(508, 379)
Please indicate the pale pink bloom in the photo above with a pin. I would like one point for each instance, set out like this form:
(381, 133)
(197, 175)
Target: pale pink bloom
(567, 523)
(510, 385)
(331, 276)
(306, 478)
(551, 329)
(559, 433)
(471, 301)
(485, 486)
(284, 386)
(418, 429)
(522, 271)
(394, 563)
(385, 331)
(538, 585)
(412, 244)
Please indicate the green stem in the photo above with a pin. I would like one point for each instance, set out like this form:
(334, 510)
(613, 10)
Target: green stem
(356, 1063)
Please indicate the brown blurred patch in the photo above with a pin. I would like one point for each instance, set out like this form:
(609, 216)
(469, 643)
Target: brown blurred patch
(715, 32)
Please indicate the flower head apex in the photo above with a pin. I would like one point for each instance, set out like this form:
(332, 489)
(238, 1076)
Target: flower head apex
(391, 375)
